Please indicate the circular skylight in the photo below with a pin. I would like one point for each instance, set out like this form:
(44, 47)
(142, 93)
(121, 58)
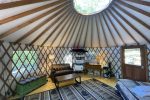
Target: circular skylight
(89, 7)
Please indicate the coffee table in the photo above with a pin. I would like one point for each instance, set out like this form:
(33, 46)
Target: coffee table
(67, 77)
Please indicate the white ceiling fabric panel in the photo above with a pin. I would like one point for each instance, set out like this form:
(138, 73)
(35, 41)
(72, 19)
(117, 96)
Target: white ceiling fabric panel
(140, 6)
(114, 33)
(123, 22)
(95, 41)
(17, 10)
(64, 40)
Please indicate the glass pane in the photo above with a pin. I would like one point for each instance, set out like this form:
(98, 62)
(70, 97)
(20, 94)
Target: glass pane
(27, 61)
(89, 7)
(133, 56)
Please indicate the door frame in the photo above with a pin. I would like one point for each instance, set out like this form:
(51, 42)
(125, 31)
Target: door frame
(144, 58)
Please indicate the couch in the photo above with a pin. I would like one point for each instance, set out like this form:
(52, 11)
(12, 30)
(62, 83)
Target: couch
(59, 70)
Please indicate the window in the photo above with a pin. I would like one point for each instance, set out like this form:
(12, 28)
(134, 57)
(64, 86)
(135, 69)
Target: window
(133, 56)
(23, 61)
(68, 59)
(89, 7)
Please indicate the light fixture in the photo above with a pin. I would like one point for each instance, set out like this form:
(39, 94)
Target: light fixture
(51, 57)
(89, 7)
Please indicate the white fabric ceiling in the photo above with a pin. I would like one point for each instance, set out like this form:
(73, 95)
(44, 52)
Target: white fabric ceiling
(56, 23)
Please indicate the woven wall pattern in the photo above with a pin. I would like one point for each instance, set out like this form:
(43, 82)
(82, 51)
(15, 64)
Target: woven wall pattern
(43, 62)
(8, 80)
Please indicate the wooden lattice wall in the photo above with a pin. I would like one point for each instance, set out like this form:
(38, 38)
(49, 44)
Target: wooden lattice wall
(43, 62)
(7, 79)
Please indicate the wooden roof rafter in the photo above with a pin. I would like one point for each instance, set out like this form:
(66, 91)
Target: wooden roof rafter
(16, 28)
(123, 27)
(19, 3)
(79, 31)
(109, 30)
(64, 17)
(86, 32)
(40, 25)
(142, 2)
(29, 12)
(139, 32)
(118, 33)
(68, 27)
(104, 33)
(132, 16)
(53, 23)
(91, 31)
(134, 8)
(68, 31)
(98, 31)
(71, 34)
(63, 22)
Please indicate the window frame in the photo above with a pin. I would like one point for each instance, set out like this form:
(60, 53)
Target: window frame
(91, 13)
(24, 73)
(142, 53)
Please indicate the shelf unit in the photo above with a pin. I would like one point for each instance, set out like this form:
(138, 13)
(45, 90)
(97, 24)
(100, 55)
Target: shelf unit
(78, 59)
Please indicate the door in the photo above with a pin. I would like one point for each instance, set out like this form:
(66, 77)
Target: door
(134, 63)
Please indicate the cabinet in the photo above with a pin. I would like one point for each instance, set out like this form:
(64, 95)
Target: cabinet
(78, 59)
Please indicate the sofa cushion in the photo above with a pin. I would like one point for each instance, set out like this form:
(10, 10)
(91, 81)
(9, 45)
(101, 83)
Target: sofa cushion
(25, 81)
(63, 72)
(58, 67)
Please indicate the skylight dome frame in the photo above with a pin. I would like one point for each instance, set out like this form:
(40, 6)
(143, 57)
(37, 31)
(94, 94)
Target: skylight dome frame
(105, 4)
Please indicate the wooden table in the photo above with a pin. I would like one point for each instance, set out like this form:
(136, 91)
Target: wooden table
(67, 77)
(94, 67)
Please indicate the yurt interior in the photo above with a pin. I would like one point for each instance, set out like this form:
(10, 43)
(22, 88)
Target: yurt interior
(74, 49)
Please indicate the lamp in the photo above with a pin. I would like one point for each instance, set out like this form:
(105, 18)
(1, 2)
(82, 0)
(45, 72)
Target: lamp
(51, 57)
(100, 59)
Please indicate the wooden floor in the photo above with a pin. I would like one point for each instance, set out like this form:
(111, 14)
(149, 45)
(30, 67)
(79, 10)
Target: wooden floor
(50, 85)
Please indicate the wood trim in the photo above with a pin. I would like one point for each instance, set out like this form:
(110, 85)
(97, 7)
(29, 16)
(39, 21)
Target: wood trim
(62, 20)
(98, 31)
(73, 31)
(80, 27)
(104, 33)
(109, 30)
(29, 12)
(86, 32)
(67, 37)
(68, 28)
(16, 28)
(146, 3)
(140, 33)
(81, 31)
(39, 26)
(144, 62)
(45, 30)
(134, 8)
(118, 33)
(123, 26)
(132, 16)
(91, 17)
(19, 3)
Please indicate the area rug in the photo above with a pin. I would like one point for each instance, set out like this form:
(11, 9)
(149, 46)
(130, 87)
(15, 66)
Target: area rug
(88, 90)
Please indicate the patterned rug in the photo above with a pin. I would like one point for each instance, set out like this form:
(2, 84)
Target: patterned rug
(87, 90)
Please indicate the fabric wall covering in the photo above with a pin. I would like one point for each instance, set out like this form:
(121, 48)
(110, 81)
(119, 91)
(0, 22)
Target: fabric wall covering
(35, 60)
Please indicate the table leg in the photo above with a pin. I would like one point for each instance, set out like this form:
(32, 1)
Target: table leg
(100, 72)
(57, 84)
